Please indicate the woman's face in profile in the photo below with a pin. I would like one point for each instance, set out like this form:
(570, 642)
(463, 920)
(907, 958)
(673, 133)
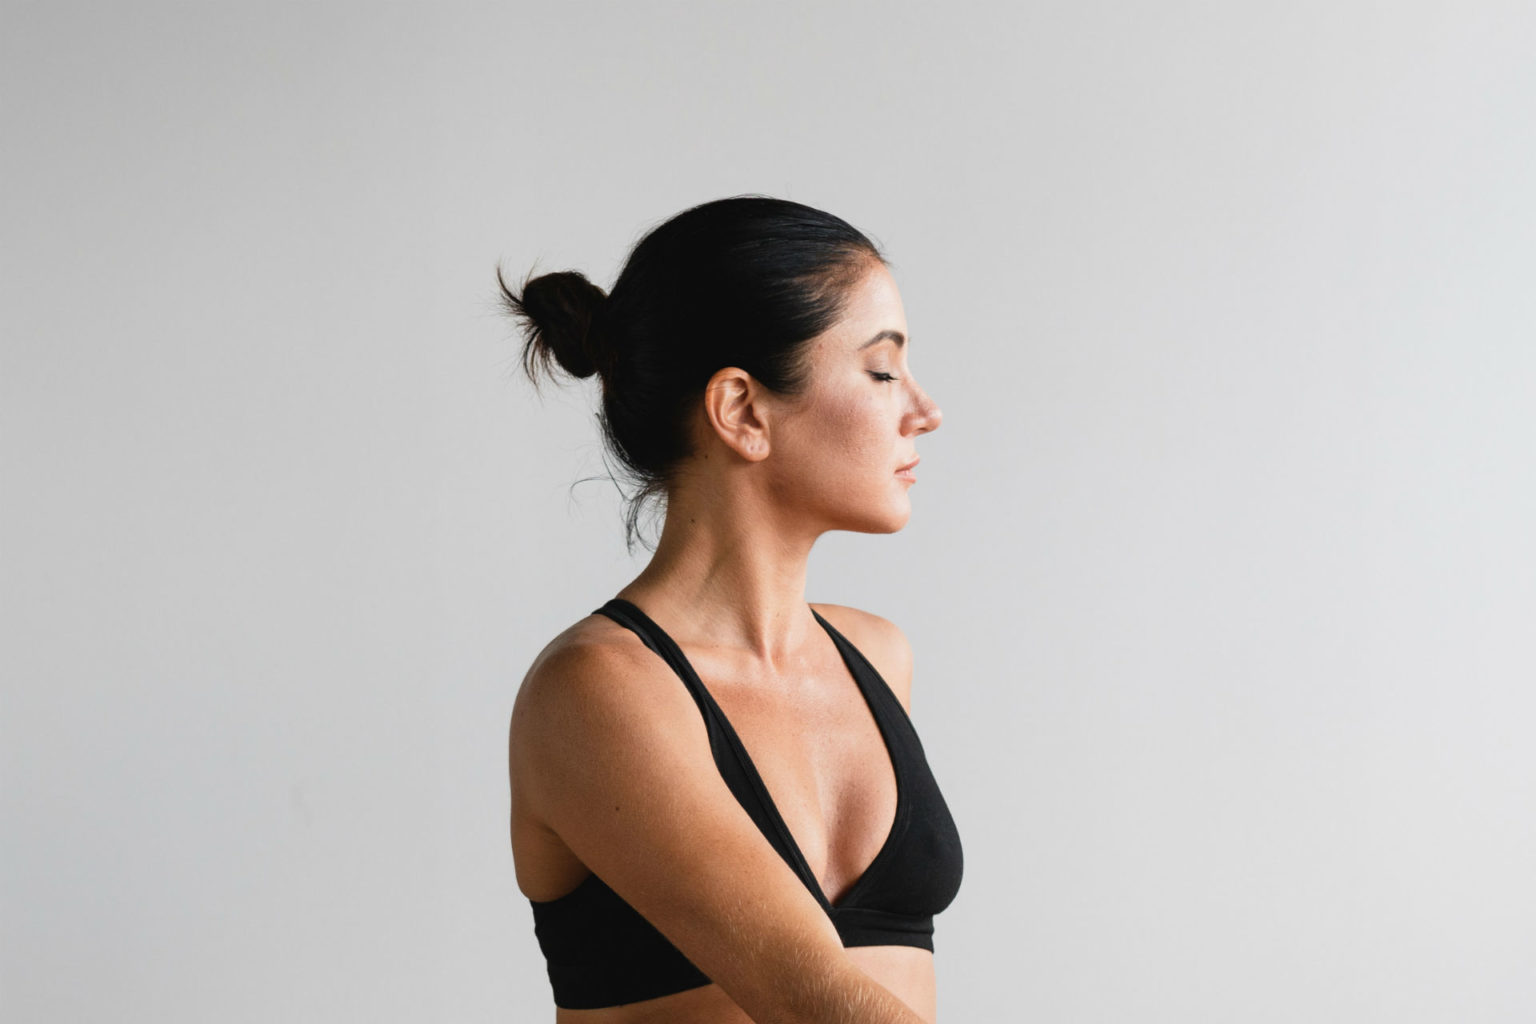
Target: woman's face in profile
(843, 440)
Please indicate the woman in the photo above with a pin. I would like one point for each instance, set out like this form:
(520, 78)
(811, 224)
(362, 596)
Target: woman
(720, 810)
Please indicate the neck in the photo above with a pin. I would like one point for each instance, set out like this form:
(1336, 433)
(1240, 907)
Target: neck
(727, 573)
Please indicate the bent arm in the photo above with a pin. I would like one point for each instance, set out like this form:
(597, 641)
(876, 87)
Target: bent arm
(617, 763)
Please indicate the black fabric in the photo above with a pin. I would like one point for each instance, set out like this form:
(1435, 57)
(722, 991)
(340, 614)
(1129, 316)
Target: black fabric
(602, 952)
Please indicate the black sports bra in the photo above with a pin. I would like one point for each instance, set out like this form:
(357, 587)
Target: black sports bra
(602, 952)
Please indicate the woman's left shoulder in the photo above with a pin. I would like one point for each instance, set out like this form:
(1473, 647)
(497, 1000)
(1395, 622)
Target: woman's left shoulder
(880, 640)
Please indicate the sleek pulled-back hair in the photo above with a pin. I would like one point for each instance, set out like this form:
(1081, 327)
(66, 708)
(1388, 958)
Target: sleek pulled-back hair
(743, 282)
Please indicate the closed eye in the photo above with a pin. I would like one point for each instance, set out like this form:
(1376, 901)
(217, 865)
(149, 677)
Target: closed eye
(883, 377)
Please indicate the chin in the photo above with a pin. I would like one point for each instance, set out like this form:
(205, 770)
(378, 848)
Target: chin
(890, 520)
(863, 507)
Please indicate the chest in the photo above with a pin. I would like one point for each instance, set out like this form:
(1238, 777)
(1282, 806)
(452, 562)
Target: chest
(815, 743)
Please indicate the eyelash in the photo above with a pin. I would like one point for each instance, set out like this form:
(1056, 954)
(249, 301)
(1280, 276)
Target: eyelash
(882, 377)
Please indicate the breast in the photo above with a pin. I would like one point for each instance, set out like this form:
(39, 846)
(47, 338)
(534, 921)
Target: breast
(823, 759)
(919, 873)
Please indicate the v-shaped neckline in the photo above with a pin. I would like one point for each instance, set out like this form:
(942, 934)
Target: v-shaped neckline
(760, 788)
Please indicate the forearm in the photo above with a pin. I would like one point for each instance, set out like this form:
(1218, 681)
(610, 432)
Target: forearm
(837, 992)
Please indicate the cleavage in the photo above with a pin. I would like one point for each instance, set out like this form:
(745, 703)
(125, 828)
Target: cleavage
(821, 755)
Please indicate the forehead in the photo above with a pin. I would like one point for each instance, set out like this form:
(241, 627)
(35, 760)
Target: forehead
(872, 305)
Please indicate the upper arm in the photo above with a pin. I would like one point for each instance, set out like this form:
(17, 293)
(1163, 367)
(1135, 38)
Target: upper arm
(616, 761)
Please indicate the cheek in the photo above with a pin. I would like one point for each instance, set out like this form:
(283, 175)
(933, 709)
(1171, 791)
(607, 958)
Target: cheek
(851, 425)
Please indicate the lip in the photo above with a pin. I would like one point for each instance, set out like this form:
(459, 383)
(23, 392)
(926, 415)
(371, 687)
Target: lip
(909, 466)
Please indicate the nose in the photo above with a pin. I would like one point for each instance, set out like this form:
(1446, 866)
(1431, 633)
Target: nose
(926, 414)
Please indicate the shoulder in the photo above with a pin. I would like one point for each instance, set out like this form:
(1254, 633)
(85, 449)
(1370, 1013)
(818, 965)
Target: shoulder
(880, 640)
(594, 666)
(596, 686)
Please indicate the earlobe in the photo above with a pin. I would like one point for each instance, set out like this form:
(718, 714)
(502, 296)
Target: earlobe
(754, 446)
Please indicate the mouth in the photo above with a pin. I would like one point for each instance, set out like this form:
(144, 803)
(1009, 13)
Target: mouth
(908, 466)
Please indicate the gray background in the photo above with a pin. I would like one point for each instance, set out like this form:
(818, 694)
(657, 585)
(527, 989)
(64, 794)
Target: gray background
(1220, 574)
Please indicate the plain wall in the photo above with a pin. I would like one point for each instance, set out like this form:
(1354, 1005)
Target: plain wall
(1220, 573)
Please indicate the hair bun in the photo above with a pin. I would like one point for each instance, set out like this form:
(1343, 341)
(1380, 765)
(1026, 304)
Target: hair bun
(557, 312)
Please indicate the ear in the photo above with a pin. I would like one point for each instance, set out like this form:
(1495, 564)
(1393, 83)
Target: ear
(735, 407)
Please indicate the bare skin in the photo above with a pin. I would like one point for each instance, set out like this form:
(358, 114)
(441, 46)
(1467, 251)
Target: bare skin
(610, 763)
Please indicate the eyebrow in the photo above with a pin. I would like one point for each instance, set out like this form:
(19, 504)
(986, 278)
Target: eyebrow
(896, 336)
